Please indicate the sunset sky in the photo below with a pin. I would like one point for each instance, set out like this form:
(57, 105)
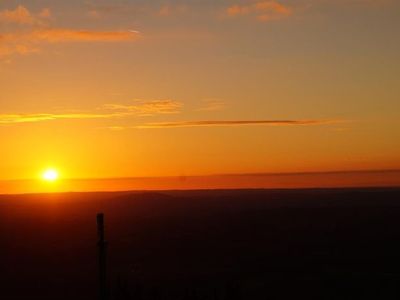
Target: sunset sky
(121, 89)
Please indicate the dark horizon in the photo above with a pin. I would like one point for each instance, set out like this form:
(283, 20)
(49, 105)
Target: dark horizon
(253, 243)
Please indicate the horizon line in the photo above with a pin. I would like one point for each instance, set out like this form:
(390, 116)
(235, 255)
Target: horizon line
(254, 174)
(355, 187)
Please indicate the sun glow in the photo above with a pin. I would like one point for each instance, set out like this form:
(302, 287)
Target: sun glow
(50, 175)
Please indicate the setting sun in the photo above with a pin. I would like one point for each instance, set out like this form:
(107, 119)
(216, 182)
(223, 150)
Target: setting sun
(50, 175)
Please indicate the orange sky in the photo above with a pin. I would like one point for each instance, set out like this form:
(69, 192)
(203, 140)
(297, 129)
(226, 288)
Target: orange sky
(122, 89)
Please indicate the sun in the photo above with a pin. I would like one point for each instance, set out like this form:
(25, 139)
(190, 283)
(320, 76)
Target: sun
(50, 175)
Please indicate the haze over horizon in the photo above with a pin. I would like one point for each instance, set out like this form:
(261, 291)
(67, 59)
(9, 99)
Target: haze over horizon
(187, 89)
(309, 180)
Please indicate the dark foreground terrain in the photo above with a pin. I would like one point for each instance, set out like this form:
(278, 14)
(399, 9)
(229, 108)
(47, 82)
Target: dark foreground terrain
(256, 244)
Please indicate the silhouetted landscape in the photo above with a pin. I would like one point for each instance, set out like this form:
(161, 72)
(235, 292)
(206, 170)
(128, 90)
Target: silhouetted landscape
(221, 244)
(199, 150)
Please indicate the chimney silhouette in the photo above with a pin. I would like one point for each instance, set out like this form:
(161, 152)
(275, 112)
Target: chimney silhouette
(102, 248)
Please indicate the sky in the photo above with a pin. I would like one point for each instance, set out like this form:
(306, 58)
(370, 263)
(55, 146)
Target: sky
(122, 89)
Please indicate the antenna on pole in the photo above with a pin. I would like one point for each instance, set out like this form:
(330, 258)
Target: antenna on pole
(102, 247)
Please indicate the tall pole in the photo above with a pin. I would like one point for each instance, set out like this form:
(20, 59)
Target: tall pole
(102, 247)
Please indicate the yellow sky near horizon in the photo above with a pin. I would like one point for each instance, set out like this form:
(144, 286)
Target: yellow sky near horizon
(104, 89)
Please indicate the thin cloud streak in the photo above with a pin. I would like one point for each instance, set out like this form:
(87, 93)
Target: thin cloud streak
(33, 118)
(141, 108)
(263, 11)
(30, 42)
(148, 107)
(237, 123)
(68, 35)
(212, 105)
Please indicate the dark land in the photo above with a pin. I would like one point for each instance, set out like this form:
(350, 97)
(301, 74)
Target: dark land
(243, 244)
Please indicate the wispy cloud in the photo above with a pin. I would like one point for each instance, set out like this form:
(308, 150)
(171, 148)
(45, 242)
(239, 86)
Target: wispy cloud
(270, 10)
(32, 118)
(143, 108)
(226, 123)
(212, 105)
(21, 15)
(362, 2)
(140, 108)
(147, 107)
(28, 32)
(56, 35)
(10, 46)
(264, 11)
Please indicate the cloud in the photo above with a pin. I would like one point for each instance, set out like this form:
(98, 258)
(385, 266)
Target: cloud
(68, 35)
(45, 13)
(32, 118)
(147, 107)
(270, 10)
(367, 2)
(29, 31)
(13, 44)
(143, 108)
(108, 111)
(264, 11)
(181, 124)
(212, 105)
(22, 16)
